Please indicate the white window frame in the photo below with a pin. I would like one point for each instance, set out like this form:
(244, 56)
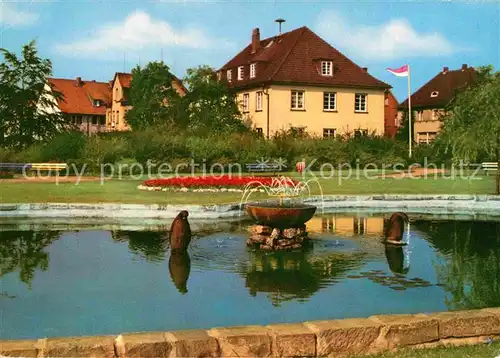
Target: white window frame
(258, 101)
(327, 103)
(246, 102)
(219, 76)
(360, 109)
(240, 72)
(332, 132)
(253, 70)
(229, 75)
(294, 100)
(327, 68)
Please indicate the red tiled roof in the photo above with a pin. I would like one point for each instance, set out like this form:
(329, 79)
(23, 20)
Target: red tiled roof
(126, 78)
(78, 99)
(295, 57)
(445, 83)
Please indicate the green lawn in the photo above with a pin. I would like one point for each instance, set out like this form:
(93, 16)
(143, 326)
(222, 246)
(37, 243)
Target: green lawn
(125, 191)
(479, 351)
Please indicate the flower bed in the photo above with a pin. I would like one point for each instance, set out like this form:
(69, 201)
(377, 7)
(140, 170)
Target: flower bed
(207, 183)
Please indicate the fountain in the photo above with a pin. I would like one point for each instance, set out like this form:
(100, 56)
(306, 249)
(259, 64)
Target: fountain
(280, 225)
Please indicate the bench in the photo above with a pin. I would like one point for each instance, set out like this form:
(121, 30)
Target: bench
(49, 166)
(34, 166)
(489, 166)
(264, 168)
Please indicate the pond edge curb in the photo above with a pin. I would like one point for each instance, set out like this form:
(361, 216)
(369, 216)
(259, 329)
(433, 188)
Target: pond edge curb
(338, 338)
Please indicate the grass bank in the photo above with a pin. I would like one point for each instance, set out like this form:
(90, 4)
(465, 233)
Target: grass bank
(125, 191)
(476, 351)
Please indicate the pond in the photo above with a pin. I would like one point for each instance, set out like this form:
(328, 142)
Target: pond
(92, 280)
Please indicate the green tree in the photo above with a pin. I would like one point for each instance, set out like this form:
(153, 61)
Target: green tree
(152, 96)
(471, 126)
(28, 110)
(209, 104)
(403, 131)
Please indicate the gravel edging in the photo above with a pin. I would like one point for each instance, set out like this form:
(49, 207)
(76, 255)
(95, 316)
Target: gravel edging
(418, 204)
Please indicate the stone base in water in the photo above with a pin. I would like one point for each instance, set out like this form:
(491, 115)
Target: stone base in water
(273, 239)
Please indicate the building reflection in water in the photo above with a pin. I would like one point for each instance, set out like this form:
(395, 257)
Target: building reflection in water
(368, 227)
(347, 225)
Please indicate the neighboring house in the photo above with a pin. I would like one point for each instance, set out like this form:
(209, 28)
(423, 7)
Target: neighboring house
(120, 103)
(83, 103)
(296, 79)
(391, 118)
(429, 102)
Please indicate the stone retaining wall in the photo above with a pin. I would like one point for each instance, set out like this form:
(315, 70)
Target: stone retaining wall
(420, 204)
(335, 338)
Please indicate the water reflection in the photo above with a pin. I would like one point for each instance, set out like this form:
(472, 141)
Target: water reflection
(464, 255)
(151, 245)
(470, 268)
(396, 259)
(23, 251)
(286, 276)
(179, 266)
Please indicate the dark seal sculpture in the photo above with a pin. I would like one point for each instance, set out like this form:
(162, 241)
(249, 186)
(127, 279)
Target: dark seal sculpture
(395, 228)
(180, 232)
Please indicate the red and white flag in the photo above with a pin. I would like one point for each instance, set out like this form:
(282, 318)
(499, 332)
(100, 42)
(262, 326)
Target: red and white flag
(400, 72)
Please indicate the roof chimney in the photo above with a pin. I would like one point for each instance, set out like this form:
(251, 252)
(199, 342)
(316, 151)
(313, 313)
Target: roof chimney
(365, 69)
(464, 67)
(445, 70)
(255, 40)
(78, 81)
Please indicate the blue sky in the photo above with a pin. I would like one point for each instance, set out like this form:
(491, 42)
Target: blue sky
(95, 39)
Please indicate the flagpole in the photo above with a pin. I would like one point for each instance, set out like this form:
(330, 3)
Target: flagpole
(409, 112)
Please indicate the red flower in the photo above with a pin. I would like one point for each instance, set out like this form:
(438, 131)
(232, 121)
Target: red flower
(209, 181)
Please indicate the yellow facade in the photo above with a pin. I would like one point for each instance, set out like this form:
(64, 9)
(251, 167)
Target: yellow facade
(426, 125)
(313, 118)
(115, 116)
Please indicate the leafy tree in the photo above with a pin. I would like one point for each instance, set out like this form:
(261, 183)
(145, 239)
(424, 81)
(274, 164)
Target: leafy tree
(150, 91)
(209, 104)
(472, 124)
(28, 112)
(403, 134)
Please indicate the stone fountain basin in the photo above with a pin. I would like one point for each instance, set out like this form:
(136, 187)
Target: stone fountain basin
(281, 216)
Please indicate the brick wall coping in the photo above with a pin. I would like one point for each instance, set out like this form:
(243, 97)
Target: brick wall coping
(421, 204)
(335, 338)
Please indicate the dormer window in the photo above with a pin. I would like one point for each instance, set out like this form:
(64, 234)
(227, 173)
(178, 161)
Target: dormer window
(434, 94)
(327, 68)
(229, 75)
(253, 68)
(240, 73)
(97, 103)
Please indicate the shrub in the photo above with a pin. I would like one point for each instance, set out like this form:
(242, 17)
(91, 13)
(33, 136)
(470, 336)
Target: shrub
(64, 147)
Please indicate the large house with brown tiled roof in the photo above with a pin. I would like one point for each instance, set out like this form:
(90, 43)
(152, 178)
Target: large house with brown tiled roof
(120, 104)
(429, 102)
(296, 79)
(83, 103)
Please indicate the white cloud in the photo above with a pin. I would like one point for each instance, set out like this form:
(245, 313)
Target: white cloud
(138, 32)
(396, 39)
(11, 16)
